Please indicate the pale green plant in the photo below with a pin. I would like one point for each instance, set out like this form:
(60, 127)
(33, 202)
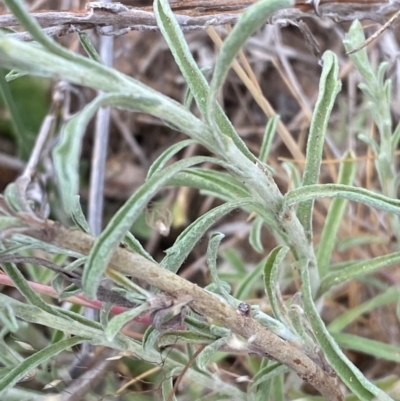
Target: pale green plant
(295, 336)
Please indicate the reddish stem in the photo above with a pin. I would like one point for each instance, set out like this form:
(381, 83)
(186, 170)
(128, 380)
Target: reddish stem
(76, 299)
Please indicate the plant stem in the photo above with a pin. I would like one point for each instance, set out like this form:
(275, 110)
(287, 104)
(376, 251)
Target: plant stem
(204, 303)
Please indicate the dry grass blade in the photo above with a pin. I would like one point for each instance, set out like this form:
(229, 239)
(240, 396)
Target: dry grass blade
(261, 101)
(378, 33)
(180, 377)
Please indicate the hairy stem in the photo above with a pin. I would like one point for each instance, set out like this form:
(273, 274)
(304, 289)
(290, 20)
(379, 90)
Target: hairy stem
(204, 303)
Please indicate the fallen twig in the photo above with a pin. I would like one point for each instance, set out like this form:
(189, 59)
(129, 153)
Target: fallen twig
(259, 339)
(196, 14)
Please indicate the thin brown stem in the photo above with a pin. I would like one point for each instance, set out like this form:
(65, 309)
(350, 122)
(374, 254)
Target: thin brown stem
(259, 339)
(196, 14)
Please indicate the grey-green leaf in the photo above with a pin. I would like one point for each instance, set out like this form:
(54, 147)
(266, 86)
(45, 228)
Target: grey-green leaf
(122, 221)
(356, 194)
(271, 267)
(358, 269)
(163, 159)
(119, 321)
(208, 352)
(183, 245)
(22, 370)
(329, 87)
(335, 213)
(249, 22)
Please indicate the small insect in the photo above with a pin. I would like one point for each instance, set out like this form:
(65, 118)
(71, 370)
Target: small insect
(244, 309)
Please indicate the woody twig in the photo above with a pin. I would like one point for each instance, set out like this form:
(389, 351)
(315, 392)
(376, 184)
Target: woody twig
(197, 14)
(260, 339)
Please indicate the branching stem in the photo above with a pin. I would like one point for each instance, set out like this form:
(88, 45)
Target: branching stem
(204, 303)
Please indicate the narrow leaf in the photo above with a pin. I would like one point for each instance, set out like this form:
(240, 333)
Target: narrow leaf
(134, 245)
(377, 349)
(166, 156)
(255, 235)
(329, 87)
(267, 373)
(15, 117)
(351, 376)
(167, 388)
(268, 137)
(194, 77)
(186, 241)
(234, 259)
(68, 151)
(271, 267)
(134, 95)
(222, 288)
(149, 338)
(208, 352)
(173, 34)
(22, 285)
(248, 282)
(78, 216)
(392, 295)
(110, 238)
(335, 213)
(222, 184)
(119, 321)
(88, 46)
(355, 194)
(22, 370)
(249, 22)
(8, 319)
(358, 269)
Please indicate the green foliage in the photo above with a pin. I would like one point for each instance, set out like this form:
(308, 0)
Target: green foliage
(26, 113)
(329, 87)
(245, 183)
